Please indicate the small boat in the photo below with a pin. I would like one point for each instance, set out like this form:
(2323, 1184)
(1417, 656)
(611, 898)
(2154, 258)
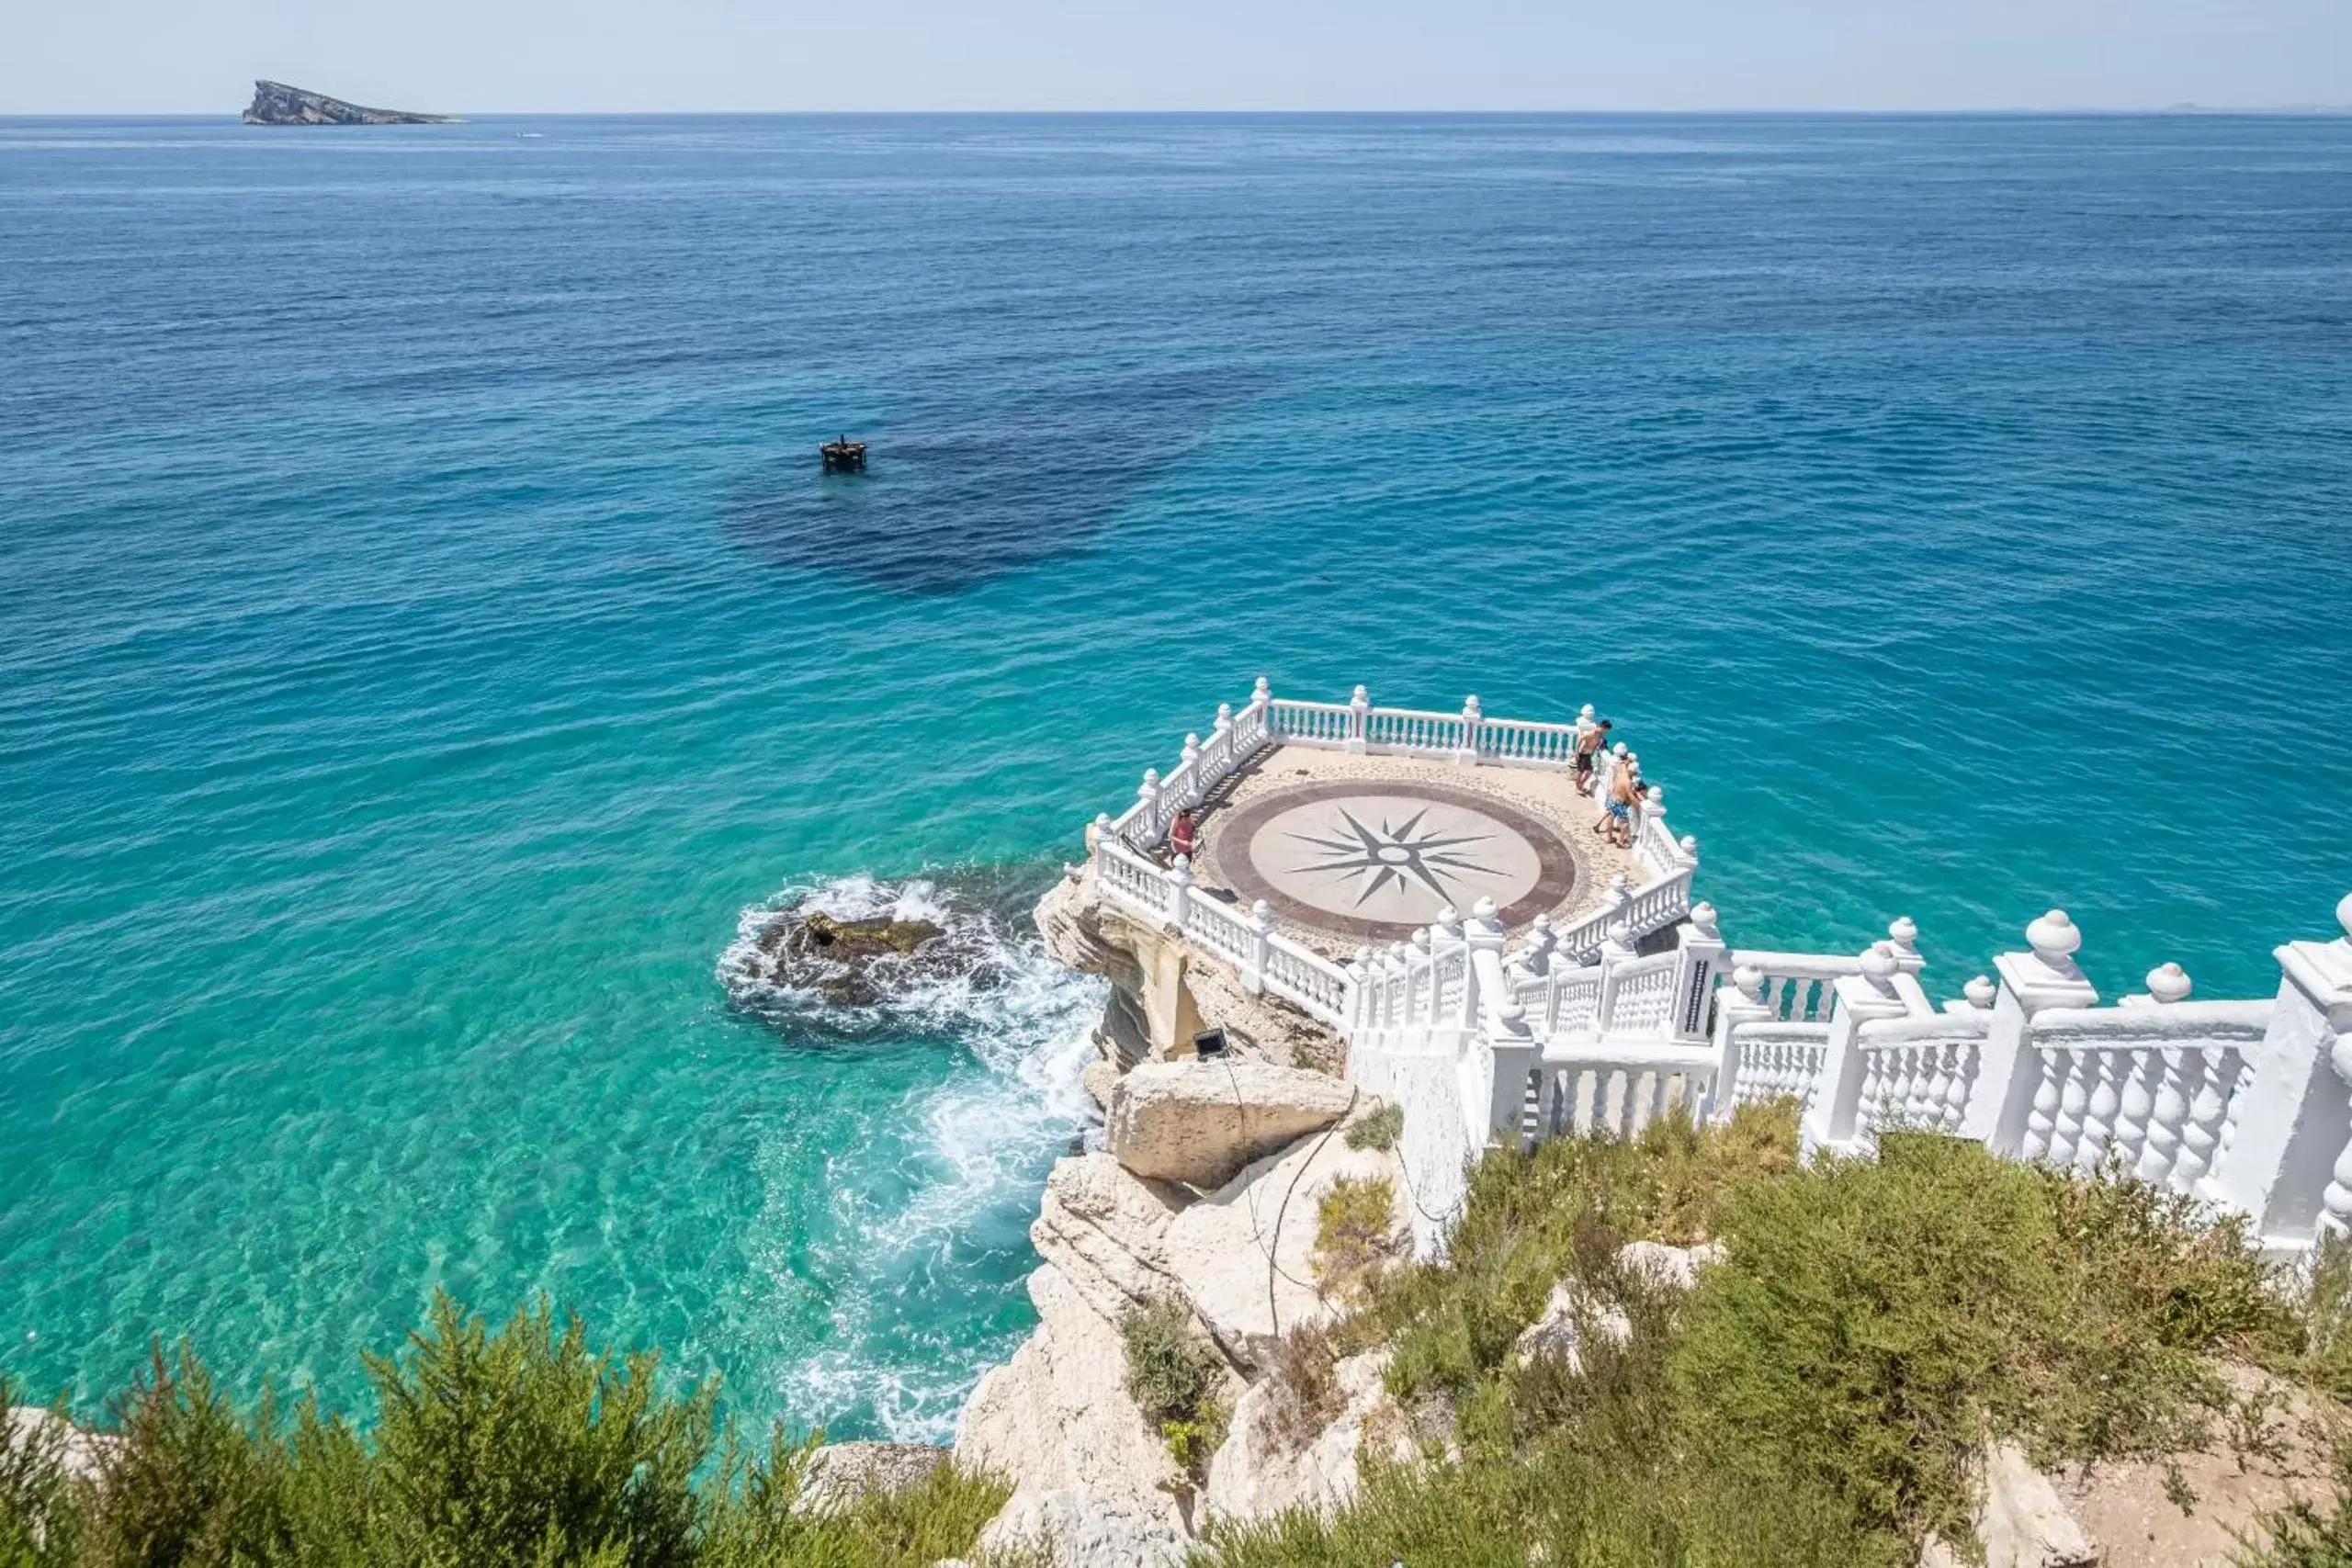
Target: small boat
(843, 456)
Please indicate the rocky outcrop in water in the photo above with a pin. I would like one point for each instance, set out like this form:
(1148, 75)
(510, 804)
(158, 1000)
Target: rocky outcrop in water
(274, 103)
(858, 962)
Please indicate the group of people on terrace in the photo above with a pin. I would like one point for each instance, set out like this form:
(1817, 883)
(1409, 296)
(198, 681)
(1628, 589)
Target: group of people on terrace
(1626, 788)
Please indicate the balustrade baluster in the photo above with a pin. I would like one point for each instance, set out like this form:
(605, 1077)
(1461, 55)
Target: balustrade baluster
(2136, 1105)
(2200, 1132)
(1917, 1073)
(2098, 1114)
(2042, 1117)
(1964, 1066)
(2240, 1069)
(2073, 1098)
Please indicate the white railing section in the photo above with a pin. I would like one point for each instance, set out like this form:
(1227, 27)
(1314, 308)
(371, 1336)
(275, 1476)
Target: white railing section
(2246, 1105)
(1266, 959)
(2148, 1089)
(1590, 1088)
(1916, 1071)
(1763, 1060)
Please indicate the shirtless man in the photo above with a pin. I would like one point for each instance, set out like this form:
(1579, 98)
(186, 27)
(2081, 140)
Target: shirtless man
(1589, 745)
(1624, 793)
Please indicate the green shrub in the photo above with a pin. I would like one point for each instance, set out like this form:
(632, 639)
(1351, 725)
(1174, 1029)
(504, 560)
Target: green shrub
(515, 1448)
(190, 1483)
(37, 1511)
(1379, 1128)
(1173, 1377)
(1875, 1321)
(1355, 1223)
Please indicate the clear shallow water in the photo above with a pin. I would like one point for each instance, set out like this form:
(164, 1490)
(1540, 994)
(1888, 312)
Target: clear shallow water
(423, 634)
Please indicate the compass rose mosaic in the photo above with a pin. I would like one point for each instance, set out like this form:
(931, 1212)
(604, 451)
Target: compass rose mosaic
(1376, 860)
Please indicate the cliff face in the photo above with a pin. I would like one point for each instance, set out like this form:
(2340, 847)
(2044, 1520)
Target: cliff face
(274, 103)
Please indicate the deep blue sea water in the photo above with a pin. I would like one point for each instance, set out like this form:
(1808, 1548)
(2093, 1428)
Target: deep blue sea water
(423, 633)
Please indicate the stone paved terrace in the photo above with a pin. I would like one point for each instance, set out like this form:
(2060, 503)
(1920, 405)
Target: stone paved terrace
(1350, 849)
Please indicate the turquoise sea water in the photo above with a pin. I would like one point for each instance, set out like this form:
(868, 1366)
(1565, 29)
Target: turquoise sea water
(424, 634)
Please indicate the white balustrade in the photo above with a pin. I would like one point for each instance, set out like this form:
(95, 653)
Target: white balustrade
(1766, 1061)
(1918, 1070)
(2247, 1104)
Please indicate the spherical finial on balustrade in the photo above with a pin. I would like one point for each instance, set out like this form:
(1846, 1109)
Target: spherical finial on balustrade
(1470, 706)
(1621, 935)
(1225, 715)
(1905, 930)
(1585, 714)
(1980, 992)
(1262, 915)
(2168, 983)
(1879, 965)
(1703, 922)
(1102, 819)
(1423, 936)
(1359, 698)
(1691, 845)
(1150, 777)
(2053, 939)
(1748, 981)
(1483, 910)
(1510, 1011)
(1181, 868)
(1619, 750)
(1654, 802)
(1618, 890)
(1261, 691)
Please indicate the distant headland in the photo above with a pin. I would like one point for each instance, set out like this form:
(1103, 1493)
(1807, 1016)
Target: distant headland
(274, 103)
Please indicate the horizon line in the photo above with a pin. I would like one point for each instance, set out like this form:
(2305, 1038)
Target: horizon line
(2183, 110)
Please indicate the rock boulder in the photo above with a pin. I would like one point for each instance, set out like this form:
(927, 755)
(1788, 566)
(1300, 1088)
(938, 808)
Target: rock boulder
(1261, 1471)
(1105, 1230)
(1201, 1121)
(840, 1473)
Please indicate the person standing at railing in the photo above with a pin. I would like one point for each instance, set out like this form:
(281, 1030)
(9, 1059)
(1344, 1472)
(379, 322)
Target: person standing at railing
(1181, 835)
(1625, 792)
(1589, 745)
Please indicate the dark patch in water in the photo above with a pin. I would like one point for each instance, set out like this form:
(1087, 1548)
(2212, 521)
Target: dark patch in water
(955, 497)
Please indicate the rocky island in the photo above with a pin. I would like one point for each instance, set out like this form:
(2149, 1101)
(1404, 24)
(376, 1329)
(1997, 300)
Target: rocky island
(274, 103)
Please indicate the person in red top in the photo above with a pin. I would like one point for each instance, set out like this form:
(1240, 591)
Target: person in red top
(1180, 835)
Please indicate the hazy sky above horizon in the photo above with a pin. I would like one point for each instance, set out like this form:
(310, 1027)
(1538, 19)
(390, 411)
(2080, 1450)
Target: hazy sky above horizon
(489, 56)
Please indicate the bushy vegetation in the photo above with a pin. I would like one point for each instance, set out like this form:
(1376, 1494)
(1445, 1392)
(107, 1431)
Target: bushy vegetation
(515, 1447)
(1823, 1395)
(1379, 1128)
(1173, 1376)
(1355, 1235)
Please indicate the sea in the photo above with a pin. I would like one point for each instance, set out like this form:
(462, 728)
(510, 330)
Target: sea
(429, 651)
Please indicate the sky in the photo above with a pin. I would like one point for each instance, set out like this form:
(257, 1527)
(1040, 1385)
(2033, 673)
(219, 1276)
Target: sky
(621, 56)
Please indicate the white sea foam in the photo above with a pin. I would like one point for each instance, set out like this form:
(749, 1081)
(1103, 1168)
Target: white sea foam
(937, 1189)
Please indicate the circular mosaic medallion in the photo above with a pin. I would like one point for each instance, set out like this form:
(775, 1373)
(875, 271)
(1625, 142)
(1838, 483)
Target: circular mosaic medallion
(1376, 860)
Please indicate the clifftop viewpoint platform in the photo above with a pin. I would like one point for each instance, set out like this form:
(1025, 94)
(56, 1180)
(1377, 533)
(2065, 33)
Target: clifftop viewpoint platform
(1323, 830)
(1349, 848)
